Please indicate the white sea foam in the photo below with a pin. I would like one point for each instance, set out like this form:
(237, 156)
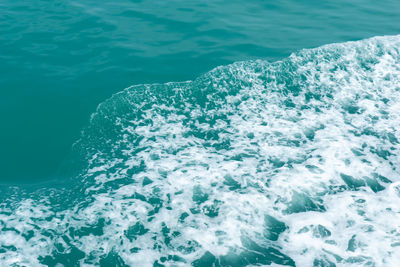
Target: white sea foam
(252, 163)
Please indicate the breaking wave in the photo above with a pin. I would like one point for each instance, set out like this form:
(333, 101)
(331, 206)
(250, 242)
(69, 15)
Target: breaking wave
(294, 162)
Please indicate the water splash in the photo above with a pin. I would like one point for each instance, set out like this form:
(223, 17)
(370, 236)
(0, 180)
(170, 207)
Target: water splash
(294, 162)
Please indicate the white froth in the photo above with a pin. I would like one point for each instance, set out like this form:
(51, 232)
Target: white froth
(311, 140)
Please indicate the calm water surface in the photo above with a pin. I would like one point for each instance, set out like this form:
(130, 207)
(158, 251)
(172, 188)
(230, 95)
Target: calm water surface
(60, 59)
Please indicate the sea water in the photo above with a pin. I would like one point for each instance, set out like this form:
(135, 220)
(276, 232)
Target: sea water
(287, 156)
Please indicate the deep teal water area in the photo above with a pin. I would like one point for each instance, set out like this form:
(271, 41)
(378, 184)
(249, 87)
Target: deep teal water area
(60, 59)
(248, 133)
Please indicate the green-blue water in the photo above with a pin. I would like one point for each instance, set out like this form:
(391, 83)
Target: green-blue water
(60, 59)
(249, 133)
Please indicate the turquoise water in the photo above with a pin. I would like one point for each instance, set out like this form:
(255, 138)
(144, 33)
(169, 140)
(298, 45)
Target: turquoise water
(256, 134)
(60, 59)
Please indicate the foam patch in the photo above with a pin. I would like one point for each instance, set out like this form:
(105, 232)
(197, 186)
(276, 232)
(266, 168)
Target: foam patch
(294, 162)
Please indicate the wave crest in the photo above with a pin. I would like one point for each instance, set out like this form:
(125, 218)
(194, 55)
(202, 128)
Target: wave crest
(257, 162)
